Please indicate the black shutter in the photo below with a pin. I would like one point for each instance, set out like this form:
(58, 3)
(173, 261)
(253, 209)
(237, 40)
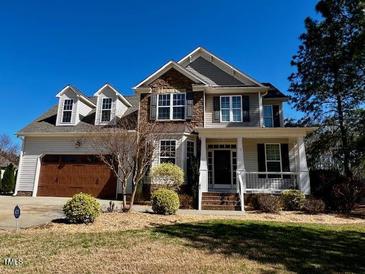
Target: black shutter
(189, 105)
(276, 114)
(285, 160)
(246, 108)
(216, 109)
(261, 159)
(153, 106)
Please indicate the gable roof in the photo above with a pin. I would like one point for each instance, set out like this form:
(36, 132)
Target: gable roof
(273, 92)
(120, 96)
(169, 65)
(46, 123)
(216, 71)
(78, 94)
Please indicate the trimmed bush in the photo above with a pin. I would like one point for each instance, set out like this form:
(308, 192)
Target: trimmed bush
(8, 181)
(169, 175)
(269, 203)
(313, 206)
(292, 199)
(82, 208)
(165, 201)
(186, 201)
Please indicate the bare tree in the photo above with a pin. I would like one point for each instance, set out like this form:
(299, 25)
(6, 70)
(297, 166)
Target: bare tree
(128, 150)
(8, 150)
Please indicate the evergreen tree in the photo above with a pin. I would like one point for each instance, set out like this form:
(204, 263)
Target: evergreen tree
(8, 181)
(329, 82)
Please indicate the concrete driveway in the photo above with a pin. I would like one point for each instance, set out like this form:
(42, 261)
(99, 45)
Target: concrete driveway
(34, 210)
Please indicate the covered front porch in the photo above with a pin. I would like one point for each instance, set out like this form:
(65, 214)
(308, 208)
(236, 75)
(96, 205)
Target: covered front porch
(252, 160)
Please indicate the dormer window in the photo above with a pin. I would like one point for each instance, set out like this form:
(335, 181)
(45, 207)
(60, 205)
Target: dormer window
(67, 110)
(106, 110)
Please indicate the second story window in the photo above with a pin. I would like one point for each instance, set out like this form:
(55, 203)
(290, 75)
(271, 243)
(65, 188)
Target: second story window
(268, 116)
(171, 106)
(231, 108)
(67, 111)
(106, 109)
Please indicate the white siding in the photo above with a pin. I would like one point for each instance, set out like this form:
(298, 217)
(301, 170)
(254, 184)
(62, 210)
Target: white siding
(254, 113)
(250, 151)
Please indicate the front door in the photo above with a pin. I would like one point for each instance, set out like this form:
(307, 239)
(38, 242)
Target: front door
(222, 168)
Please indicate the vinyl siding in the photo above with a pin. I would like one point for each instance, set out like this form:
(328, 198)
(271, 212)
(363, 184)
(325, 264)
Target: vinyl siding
(254, 113)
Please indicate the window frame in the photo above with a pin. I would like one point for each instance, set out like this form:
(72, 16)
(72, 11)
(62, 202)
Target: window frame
(280, 160)
(166, 157)
(170, 106)
(272, 115)
(106, 109)
(67, 110)
(231, 120)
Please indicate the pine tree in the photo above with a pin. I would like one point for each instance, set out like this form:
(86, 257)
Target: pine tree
(329, 82)
(8, 181)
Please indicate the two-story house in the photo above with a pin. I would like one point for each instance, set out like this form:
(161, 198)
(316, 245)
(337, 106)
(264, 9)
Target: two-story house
(204, 106)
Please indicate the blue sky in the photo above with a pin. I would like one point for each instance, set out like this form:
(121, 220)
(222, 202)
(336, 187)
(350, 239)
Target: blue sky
(46, 45)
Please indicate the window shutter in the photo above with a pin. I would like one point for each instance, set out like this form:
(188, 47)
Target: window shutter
(285, 160)
(216, 109)
(189, 105)
(245, 108)
(74, 112)
(261, 159)
(153, 106)
(276, 115)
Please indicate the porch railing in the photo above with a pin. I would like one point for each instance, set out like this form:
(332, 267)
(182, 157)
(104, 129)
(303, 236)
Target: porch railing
(269, 182)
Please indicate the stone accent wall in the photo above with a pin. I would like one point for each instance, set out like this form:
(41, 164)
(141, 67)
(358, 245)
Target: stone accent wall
(173, 80)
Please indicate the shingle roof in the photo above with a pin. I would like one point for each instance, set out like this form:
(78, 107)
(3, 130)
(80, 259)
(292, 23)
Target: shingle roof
(273, 92)
(46, 123)
(213, 75)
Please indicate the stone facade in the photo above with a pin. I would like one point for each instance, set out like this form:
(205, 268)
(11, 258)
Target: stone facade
(173, 80)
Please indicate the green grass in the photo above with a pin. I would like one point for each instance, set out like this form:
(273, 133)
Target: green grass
(301, 248)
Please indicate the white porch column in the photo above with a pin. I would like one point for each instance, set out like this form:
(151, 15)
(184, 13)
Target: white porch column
(203, 170)
(240, 170)
(261, 110)
(304, 183)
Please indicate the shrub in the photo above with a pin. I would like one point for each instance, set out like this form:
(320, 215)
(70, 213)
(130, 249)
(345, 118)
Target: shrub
(313, 206)
(346, 194)
(338, 192)
(292, 199)
(8, 180)
(168, 175)
(269, 203)
(82, 208)
(165, 201)
(253, 201)
(186, 201)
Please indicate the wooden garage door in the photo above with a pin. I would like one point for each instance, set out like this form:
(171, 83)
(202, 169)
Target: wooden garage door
(66, 175)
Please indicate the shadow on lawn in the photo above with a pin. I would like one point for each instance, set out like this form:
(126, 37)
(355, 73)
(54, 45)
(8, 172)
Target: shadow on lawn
(301, 249)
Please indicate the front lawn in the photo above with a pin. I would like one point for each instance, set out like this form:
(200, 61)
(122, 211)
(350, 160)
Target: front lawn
(185, 247)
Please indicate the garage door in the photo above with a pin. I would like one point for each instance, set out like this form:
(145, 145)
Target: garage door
(66, 175)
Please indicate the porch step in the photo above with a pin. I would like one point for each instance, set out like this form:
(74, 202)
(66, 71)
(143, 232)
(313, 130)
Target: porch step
(220, 201)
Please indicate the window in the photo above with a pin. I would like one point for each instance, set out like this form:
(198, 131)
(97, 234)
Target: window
(231, 108)
(167, 151)
(106, 109)
(67, 111)
(268, 116)
(171, 106)
(273, 159)
(190, 150)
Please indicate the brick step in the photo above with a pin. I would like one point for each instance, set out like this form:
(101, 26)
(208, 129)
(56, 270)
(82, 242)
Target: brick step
(217, 202)
(220, 207)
